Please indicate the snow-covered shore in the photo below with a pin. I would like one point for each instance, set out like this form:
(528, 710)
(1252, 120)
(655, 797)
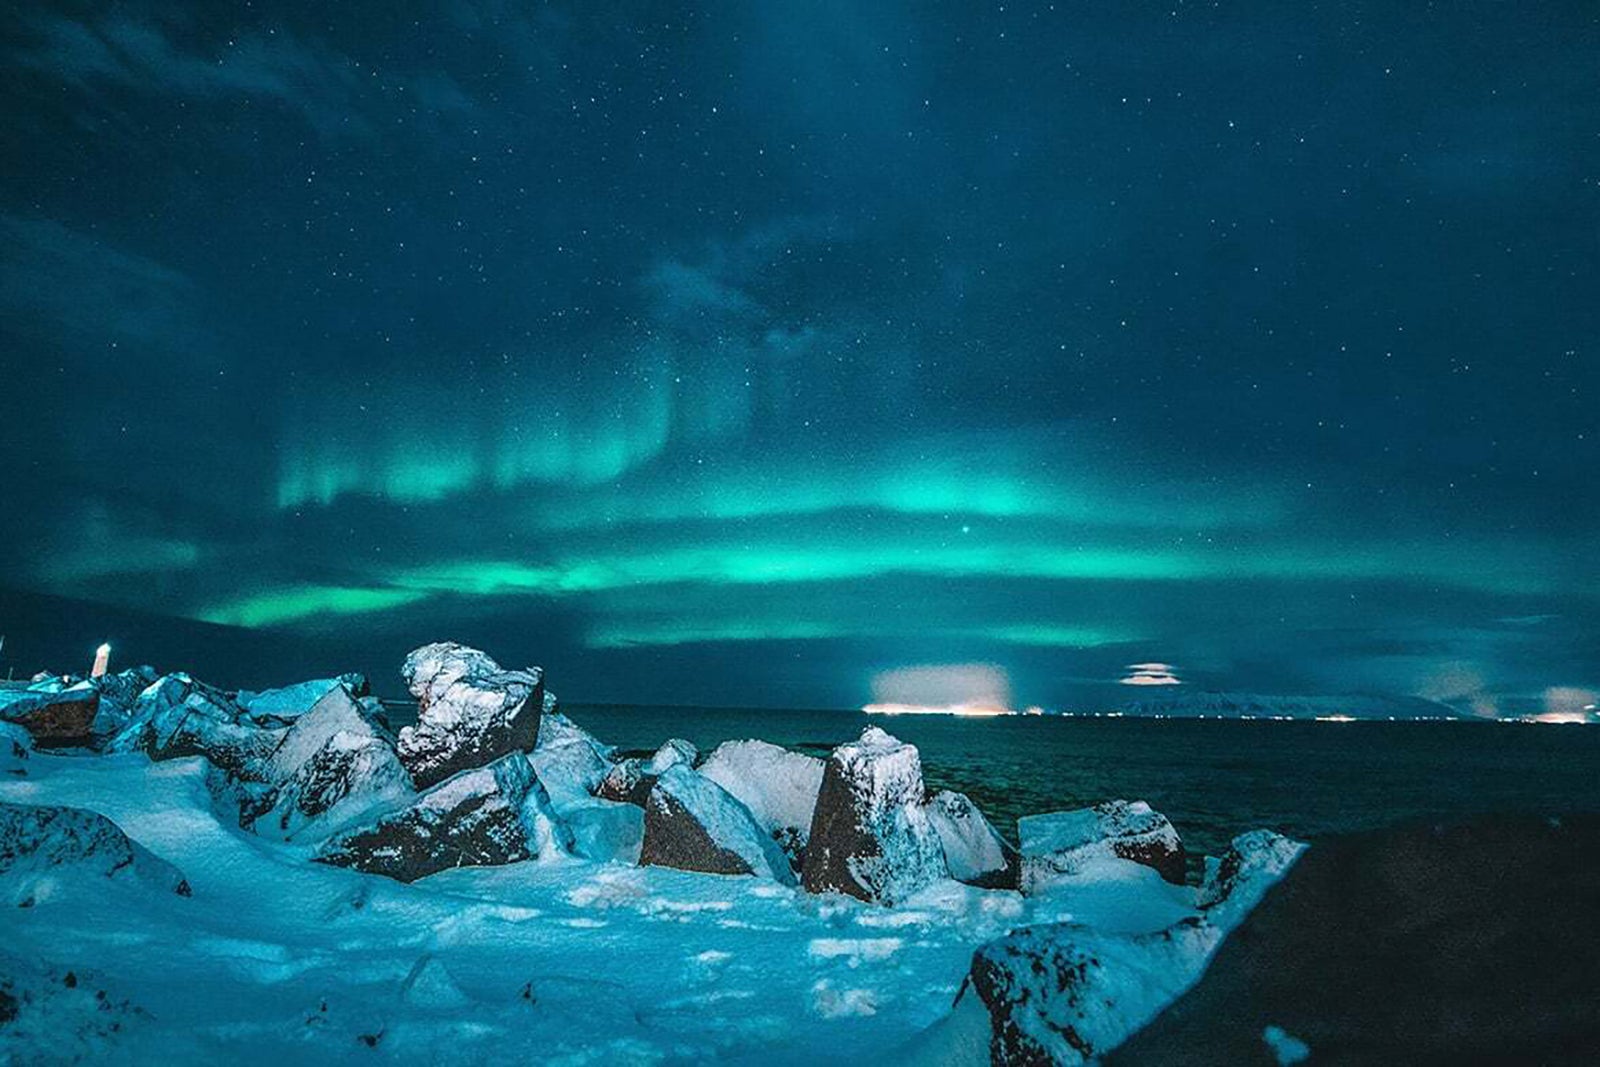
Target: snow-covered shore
(577, 954)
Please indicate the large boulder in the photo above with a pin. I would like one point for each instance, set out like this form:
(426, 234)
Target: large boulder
(333, 764)
(871, 836)
(693, 824)
(630, 780)
(483, 817)
(778, 786)
(973, 851)
(1477, 942)
(1063, 993)
(470, 711)
(39, 844)
(1064, 844)
(54, 717)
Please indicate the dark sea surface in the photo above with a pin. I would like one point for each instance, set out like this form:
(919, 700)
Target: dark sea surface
(1213, 778)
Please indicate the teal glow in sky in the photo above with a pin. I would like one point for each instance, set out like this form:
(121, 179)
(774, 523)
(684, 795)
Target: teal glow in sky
(728, 355)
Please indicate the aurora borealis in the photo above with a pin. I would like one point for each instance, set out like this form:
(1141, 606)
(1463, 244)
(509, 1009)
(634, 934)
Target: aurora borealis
(747, 353)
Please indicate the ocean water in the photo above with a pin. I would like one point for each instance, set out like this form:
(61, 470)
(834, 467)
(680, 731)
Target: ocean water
(1212, 778)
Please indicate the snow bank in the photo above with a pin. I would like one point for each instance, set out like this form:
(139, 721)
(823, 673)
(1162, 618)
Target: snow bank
(39, 844)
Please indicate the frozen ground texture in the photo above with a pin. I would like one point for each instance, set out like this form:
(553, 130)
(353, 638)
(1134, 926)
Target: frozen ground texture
(139, 922)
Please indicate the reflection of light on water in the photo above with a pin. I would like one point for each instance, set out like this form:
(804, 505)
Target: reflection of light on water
(1336, 718)
(977, 711)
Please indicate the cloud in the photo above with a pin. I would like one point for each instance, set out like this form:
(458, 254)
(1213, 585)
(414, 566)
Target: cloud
(1150, 674)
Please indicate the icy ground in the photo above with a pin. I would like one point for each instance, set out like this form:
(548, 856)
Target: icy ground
(277, 960)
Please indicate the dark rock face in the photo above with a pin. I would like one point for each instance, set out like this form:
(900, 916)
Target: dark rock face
(1063, 993)
(870, 834)
(470, 711)
(54, 719)
(1477, 942)
(693, 824)
(1061, 844)
(483, 817)
(44, 841)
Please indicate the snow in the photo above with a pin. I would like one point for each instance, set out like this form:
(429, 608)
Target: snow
(626, 964)
(972, 849)
(1285, 1047)
(778, 786)
(575, 954)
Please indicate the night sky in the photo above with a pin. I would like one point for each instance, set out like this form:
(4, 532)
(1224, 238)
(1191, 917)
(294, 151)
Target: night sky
(753, 353)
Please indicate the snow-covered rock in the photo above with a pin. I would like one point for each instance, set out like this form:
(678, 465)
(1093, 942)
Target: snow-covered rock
(630, 780)
(15, 746)
(973, 851)
(1064, 993)
(1236, 881)
(54, 717)
(481, 817)
(287, 703)
(1062, 843)
(119, 695)
(177, 717)
(871, 836)
(567, 758)
(778, 786)
(331, 765)
(39, 844)
(470, 711)
(693, 824)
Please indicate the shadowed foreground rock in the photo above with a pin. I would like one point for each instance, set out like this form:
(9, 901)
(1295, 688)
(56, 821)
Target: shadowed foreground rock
(1471, 943)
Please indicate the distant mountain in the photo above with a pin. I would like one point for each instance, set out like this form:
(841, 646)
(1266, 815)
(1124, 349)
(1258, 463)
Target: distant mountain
(1198, 703)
